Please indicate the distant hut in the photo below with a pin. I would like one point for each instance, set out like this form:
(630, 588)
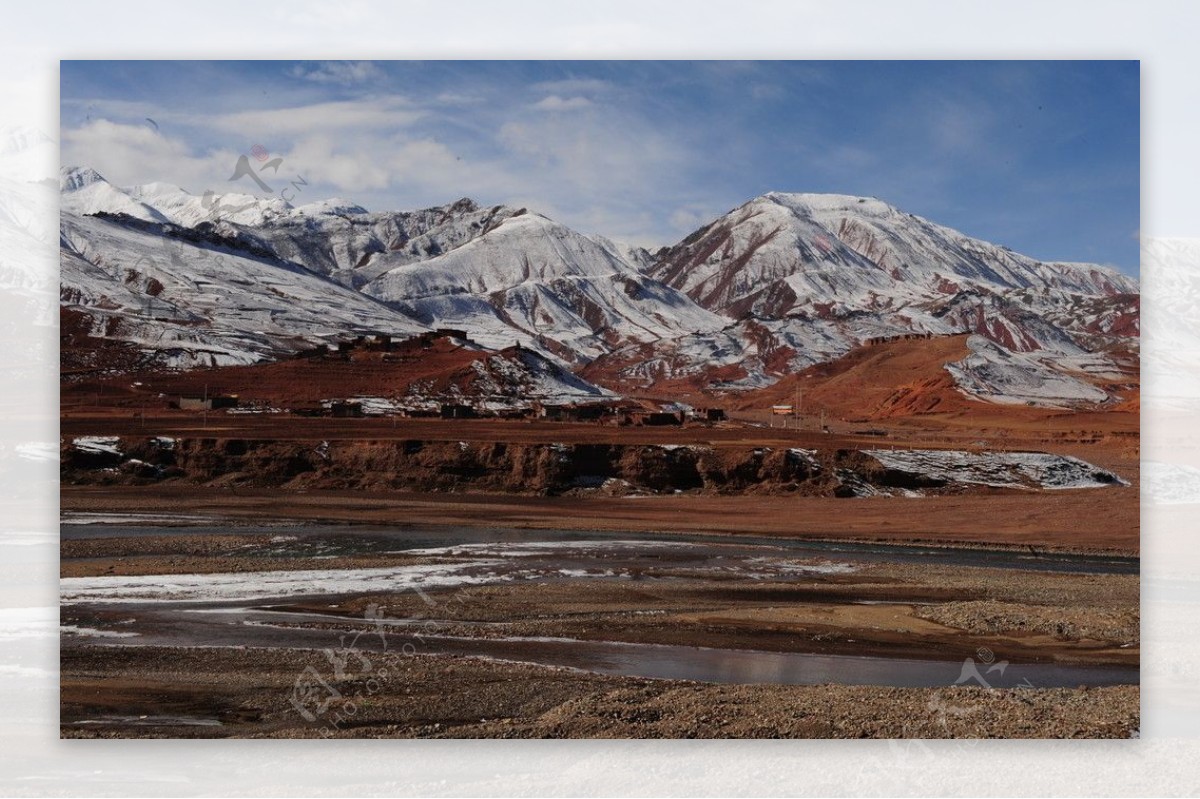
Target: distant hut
(457, 411)
(345, 410)
(662, 418)
(199, 402)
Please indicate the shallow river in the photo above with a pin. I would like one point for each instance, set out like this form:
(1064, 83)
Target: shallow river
(237, 609)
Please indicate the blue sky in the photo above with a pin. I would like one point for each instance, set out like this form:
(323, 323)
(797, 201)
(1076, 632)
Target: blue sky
(1042, 157)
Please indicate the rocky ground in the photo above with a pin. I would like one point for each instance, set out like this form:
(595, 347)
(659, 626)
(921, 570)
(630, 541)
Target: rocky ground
(882, 609)
(144, 692)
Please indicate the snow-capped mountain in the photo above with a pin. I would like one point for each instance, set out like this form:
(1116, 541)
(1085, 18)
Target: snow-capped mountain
(780, 283)
(197, 296)
(812, 275)
(829, 253)
(538, 282)
(505, 275)
(85, 192)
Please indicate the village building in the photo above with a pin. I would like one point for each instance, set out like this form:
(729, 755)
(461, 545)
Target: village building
(200, 402)
(457, 411)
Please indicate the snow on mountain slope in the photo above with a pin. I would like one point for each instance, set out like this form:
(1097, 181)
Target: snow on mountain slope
(188, 210)
(354, 246)
(782, 251)
(515, 375)
(859, 269)
(780, 283)
(503, 274)
(531, 280)
(999, 375)
(386, 378)
(84, 191)
(638, 257)
(743, 355)
(202, 303)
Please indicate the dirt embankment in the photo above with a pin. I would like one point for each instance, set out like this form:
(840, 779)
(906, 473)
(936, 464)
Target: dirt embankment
(615, 469)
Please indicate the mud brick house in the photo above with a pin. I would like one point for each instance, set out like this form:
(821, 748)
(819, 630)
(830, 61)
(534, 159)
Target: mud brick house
(203, 403)
(709, 414)
(346, 410)
(457, 411)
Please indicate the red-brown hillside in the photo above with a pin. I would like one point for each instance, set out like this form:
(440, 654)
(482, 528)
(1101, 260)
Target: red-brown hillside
(891, 379)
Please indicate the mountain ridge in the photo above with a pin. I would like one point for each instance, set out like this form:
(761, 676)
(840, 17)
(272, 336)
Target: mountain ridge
(777, 284)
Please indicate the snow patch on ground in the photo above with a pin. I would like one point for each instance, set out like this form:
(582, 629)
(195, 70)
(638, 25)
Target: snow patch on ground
(999, 469)
(259, 585)
(70, 517)
(98, 445)
(91, 632)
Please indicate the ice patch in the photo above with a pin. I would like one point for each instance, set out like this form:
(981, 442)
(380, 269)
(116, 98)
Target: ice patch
(70, 517)
(261, 585)
(91, 632)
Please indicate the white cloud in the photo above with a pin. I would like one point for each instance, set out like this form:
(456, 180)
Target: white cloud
(962, 127)
(573, 86)
(133, 154)
(384, 112)
(767, 91)
(611, 173)
(456, 98)
(339, 72)
(366, 164)
(556, 103)
(690, 217)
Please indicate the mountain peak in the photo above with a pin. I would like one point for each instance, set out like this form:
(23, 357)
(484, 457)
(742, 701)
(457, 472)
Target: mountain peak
(74, 178)
(463, 205)
(807, 201)
(334, 205)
